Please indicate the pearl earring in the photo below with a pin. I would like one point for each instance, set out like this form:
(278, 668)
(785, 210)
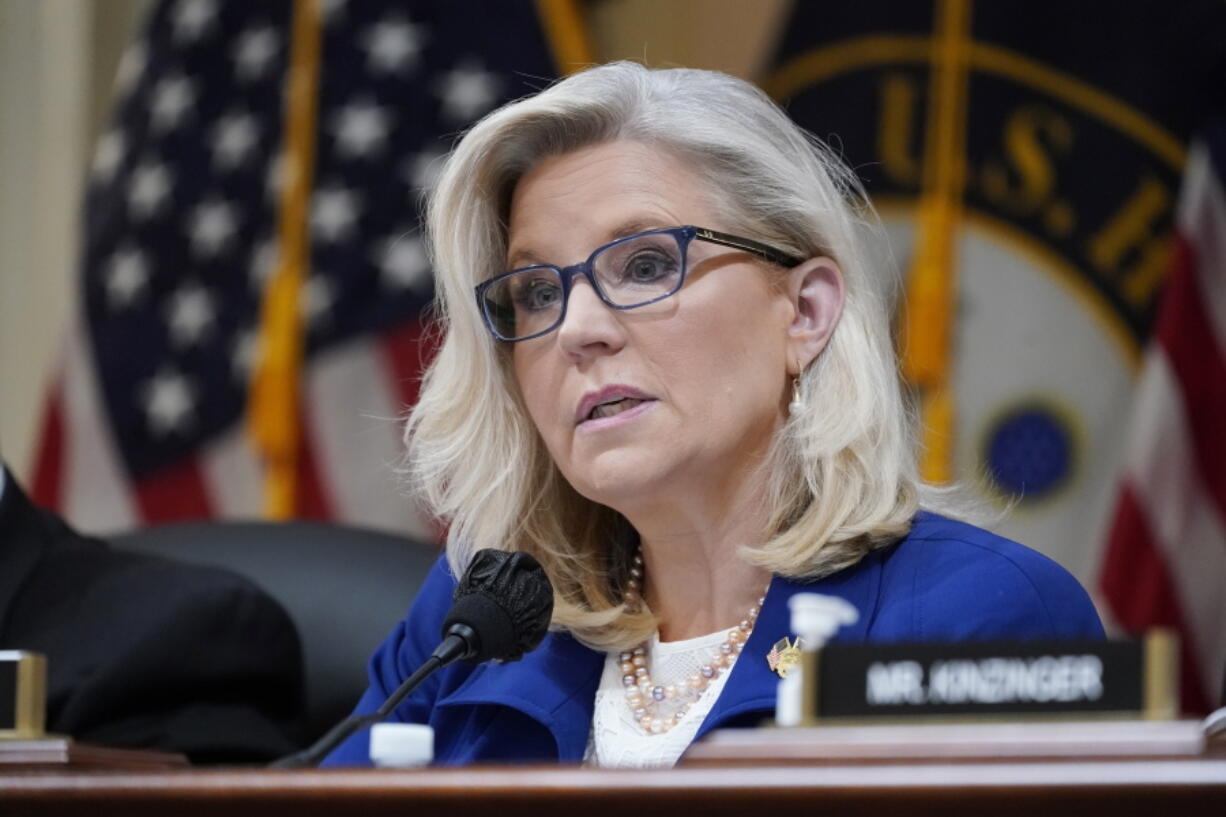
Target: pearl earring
(797, 405)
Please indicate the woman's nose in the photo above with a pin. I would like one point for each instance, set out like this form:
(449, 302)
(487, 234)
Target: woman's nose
(590, 327)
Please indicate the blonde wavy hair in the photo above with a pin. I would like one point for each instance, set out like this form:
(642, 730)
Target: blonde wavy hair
(842, 476)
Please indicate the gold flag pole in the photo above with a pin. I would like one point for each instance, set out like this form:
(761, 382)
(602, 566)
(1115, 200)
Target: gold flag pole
(272, 406)
(567, 34)
(928, 323)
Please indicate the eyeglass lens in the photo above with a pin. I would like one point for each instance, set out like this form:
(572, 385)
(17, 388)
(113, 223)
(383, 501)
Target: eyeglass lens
(628, 273)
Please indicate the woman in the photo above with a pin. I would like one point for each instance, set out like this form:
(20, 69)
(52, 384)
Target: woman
(683, 400)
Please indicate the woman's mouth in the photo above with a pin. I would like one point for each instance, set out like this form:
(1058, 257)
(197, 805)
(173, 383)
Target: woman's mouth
(611, 401)
(614, 407)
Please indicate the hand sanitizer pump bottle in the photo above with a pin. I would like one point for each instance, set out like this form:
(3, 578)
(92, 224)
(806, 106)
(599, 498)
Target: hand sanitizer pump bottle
(815, 619)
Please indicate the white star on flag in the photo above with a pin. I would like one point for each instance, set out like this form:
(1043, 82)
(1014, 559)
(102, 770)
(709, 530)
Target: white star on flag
(317, 298)
(172, 98)
(147, 190)
(191, 317)
(108, 156)
(169, 402)
(360, 128)
(277, 177)
(468, 91)
(333, 213)
(127, 277)
(422, 171)
(233, 139)
(263, 264)
(192, 18)
(131, 66)
(393, 46)
(332, 10)
(211, 228)
(246, 347)
(403, 263)
(254, 52)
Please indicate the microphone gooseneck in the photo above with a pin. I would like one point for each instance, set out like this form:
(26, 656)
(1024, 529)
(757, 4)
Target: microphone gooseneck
(501, 610)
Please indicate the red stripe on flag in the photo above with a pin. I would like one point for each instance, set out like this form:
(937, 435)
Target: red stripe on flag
(313, 501)
(47, 486)
(174, 494)
(1139, 588)
(407, 351)
(1191, 348)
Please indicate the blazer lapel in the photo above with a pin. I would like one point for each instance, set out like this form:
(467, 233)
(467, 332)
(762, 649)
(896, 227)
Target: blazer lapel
(752, 685)
(554, 685)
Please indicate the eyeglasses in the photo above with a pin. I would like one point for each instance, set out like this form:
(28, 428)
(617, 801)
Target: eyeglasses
(630, 272)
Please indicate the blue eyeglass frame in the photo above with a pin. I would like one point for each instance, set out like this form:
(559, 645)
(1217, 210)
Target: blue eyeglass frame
(683, 235)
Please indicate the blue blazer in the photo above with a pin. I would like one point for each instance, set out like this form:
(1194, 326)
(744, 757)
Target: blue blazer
(944, 581)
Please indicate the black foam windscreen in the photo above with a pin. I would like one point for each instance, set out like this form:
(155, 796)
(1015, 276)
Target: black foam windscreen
(506, 600)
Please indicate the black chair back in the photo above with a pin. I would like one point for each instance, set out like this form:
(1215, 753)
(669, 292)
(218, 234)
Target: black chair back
(344, 587)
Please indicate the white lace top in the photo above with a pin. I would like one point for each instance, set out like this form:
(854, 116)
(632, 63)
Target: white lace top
(617, 739)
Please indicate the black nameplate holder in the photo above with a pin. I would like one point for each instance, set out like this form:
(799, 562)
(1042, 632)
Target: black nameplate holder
(848, 683)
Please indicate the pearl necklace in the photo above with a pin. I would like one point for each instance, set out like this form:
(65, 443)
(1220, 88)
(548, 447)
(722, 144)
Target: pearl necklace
(649, 701)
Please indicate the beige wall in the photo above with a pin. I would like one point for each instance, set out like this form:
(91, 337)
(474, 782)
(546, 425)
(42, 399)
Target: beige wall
(57, 61)
(57, 58)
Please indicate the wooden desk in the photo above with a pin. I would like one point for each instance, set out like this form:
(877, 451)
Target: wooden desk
(1174, 787)
(1011, 773)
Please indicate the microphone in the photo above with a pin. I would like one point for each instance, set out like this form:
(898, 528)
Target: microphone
(501, 610)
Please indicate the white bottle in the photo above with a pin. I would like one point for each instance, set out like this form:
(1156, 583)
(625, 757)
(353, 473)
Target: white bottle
(815, 618)
(401, 745)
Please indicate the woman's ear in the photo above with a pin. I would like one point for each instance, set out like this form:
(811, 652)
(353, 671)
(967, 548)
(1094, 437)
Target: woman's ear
(815, 290)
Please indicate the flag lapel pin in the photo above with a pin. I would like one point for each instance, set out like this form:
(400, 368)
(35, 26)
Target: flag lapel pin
(783, 655)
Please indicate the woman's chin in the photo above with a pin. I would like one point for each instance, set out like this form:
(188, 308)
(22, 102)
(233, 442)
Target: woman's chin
(623, 480)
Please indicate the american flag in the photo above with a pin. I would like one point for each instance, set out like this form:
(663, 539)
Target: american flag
(1166, 557)
(145, 419)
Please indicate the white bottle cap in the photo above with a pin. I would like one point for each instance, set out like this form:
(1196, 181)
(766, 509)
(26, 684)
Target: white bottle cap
(401, 745)
(815, 618)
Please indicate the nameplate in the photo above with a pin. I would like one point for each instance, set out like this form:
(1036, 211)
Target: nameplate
(23, 694)
(985, 680)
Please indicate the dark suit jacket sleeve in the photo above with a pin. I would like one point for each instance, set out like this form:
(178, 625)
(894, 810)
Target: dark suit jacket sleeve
(147, 652)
